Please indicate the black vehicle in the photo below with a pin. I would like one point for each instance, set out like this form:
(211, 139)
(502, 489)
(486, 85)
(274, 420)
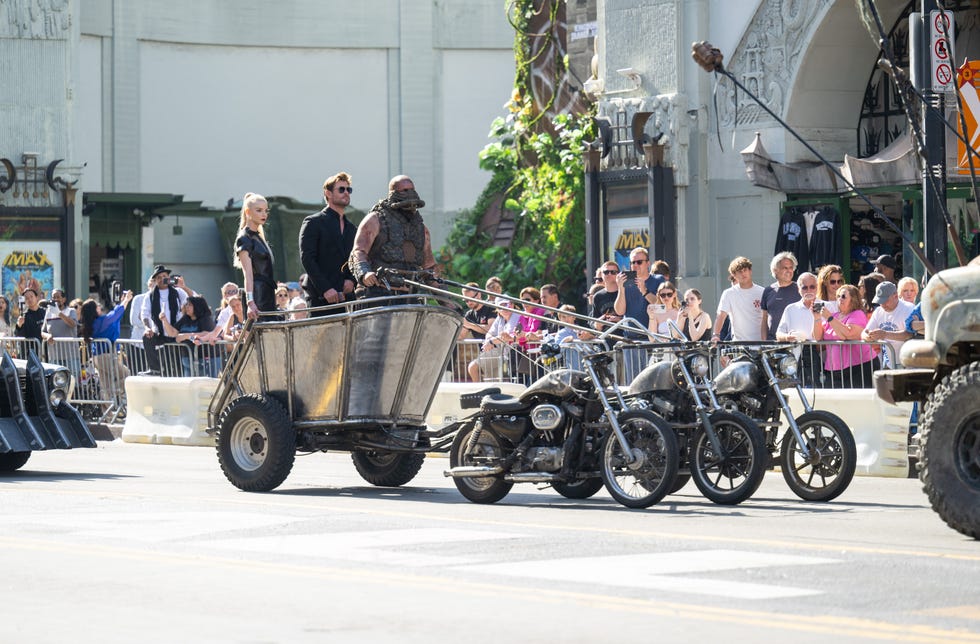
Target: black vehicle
(35, 412)
(723, 451)
(816, 454)
(571, 429)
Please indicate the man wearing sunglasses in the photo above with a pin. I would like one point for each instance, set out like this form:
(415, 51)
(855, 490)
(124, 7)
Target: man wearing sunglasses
(325, 241)
(636, 294)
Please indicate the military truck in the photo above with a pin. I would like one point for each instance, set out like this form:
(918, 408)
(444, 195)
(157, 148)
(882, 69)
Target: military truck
(942, 373)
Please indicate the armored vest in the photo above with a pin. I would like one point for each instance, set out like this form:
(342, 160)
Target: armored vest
(400, 242)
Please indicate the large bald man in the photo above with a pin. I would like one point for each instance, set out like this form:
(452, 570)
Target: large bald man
(392, 235)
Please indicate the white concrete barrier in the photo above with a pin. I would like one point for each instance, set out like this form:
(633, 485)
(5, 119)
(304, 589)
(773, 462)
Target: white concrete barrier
(880, 429)
(445, 406)
(168, 411)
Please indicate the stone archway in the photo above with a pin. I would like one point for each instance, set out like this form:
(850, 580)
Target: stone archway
(809, 61)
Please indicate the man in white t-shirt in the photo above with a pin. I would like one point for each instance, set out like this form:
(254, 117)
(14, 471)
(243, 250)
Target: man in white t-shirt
(887, 322)
(742, 303)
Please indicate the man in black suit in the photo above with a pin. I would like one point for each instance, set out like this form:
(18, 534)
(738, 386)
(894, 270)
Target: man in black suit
(325, 242)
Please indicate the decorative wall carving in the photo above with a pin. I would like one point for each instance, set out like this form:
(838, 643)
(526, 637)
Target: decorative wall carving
(766, 59)
(35, 19)
(666, 125)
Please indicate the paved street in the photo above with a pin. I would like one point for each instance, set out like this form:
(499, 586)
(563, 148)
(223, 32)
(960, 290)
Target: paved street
(149, 543)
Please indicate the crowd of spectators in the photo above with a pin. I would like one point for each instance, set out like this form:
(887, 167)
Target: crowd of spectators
(796, 306)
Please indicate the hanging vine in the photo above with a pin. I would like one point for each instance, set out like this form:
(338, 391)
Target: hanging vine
(535, 157)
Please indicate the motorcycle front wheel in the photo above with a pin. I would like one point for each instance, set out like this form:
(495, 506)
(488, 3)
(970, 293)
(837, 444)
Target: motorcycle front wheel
(833, 457)
(643, 476)
(732, 476)
(485, 452)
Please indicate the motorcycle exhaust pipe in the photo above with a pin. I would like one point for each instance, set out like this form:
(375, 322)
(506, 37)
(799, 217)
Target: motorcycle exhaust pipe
(476, 470)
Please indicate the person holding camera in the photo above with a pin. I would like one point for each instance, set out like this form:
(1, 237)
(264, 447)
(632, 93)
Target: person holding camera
(95, 324)
(695, 323)
(31, 318)
(797, 322)
(60, 320)
(161, 299)
(637, 289)
(666, 310)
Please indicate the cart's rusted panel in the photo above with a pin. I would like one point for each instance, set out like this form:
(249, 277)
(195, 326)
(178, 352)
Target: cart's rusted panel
(377, 366)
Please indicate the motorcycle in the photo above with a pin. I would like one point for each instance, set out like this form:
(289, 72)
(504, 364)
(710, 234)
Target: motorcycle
(723, 451)
(816, 454)
(570, 428)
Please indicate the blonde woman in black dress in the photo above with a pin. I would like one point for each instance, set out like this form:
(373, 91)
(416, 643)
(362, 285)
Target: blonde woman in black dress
(254, 256)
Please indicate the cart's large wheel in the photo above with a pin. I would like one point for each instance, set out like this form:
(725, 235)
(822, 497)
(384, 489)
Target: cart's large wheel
(13, 461)
(256, 443)
(387, 469)
(735, 474)
(645, 475)
(949, 449)
(833, 457)
(578, 489)
(486, 452)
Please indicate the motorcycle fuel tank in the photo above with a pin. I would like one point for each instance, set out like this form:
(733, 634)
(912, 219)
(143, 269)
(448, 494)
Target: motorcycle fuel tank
(737, 377)
(656, 377)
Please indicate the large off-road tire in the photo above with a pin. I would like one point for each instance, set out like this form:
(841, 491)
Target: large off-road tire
(12, 461)
(387, 469)
(949, 450)
(646, 478)
(833, 457)
(734, 475)
(579, 489)
(256, 443)
(486, 452)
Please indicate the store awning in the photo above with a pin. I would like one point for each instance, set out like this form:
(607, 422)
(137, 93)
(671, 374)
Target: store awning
(894, 166)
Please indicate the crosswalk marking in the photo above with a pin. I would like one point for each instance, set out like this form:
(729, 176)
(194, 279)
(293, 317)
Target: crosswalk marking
(155, 526)
(667, 571)
(373, 546)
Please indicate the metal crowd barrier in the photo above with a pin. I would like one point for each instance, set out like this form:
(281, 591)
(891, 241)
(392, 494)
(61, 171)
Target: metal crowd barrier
(100, 375)
(631, 360)
(21, 347)
(184, 360)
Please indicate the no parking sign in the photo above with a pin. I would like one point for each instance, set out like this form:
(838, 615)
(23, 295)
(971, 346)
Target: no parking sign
(941, 28)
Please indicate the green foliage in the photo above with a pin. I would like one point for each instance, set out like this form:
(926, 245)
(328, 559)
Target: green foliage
(539, 172)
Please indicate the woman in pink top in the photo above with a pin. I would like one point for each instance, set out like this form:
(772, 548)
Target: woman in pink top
(851, 366)
(531, 331)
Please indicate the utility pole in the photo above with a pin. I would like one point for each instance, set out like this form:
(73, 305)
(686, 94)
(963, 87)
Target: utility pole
(934, 134)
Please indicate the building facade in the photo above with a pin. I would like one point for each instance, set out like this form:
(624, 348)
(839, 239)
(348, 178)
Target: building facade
(677, 142)
(163, 112)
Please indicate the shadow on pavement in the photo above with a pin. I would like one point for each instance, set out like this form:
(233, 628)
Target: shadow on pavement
(26, 474)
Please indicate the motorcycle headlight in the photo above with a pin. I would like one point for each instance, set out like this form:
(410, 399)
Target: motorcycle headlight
(788, 366)
(698, 365)
(60, 379)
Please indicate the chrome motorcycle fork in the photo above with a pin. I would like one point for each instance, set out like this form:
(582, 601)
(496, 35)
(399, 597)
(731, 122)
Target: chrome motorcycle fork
(703, 412)
(784, 404)
(600, 387)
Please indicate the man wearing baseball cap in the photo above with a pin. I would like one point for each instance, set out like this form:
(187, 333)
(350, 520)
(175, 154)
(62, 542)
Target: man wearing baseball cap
(887, 322)
(161, 300)
(887, 266)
